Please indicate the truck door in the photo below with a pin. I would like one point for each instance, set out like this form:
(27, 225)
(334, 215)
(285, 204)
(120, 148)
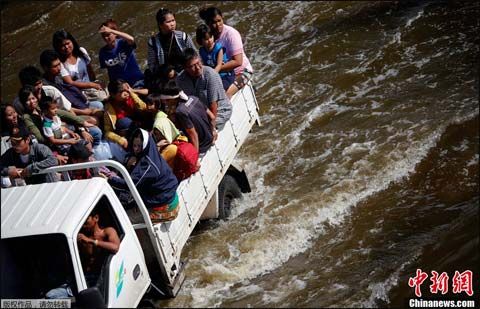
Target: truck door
(122, 278)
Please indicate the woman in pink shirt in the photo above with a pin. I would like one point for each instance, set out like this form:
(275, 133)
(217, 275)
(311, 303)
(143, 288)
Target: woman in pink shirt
(230, 38)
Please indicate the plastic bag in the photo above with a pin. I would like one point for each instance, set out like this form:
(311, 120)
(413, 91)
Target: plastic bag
(102, 151)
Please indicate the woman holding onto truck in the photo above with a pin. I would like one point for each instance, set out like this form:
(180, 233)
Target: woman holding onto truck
(155, 181)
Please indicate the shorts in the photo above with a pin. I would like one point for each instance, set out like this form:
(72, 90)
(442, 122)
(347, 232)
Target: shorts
(227, 80)
(242, 79)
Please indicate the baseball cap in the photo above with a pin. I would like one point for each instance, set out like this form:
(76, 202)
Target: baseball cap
(79, 151)
(18, 133)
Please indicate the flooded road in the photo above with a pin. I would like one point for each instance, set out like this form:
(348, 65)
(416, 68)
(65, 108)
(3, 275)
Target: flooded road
(366, 166)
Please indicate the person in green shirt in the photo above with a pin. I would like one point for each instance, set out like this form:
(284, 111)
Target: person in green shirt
(34, 120)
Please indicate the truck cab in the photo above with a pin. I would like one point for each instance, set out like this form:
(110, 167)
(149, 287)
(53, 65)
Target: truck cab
(40, 226)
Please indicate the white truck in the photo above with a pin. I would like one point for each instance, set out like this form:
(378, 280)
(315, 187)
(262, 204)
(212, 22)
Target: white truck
(40, 224)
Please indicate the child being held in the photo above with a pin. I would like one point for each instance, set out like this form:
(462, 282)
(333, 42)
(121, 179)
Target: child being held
(59, 136)
(213, 54)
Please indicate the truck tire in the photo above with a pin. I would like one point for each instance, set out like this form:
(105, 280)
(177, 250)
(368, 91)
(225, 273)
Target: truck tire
(147, 303)
(227, 191)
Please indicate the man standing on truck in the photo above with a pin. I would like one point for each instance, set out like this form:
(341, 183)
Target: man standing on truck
(25, 158)
(95, 244)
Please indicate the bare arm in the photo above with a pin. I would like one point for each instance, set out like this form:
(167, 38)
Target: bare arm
(113, 241)
(56, 141)
(139, 104)
(218, 67)
(142, 91)
(213, 124)
(82, 85)
(212, 117)
(130, 39)
(92, 112)
(70, 132)
(213, 109)
(236, 61)
(193, 137)
(77, 111)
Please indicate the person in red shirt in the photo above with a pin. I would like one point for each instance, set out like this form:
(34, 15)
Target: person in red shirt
(123, 111)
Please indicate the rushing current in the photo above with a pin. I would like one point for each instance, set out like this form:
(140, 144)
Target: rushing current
(365, 166)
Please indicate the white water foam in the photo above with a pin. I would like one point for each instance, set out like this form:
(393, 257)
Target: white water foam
(372, 83)
(380, 290)
(473, 160)
(295, 16)
(261, 255)
(329, 106)
(358, 147)
(397, 37)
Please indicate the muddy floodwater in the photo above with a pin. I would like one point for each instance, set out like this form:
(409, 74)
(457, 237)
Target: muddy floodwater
(366, 166)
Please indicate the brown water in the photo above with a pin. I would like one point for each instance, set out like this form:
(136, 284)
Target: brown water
(366, 166)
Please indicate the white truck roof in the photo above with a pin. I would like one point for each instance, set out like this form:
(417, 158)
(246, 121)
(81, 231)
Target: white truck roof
(47, 208)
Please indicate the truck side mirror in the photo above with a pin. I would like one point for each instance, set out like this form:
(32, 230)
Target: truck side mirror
(91, 298)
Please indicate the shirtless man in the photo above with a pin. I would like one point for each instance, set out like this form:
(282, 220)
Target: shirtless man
(95, 244)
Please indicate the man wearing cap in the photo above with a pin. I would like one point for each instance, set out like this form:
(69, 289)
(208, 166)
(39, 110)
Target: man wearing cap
(205, 83)
(25, 158)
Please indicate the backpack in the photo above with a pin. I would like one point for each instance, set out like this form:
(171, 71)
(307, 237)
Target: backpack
(185, 163)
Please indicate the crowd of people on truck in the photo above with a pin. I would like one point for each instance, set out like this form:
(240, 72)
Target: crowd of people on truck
(158, 123)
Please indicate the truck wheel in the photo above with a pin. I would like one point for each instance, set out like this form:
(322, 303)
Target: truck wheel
(227, 191)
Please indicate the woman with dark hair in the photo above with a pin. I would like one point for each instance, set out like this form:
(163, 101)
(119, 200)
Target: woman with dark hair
(152, 176)
(231, 39)
(167, 46)
(11, 121)
(32, 114)
(9, 118)
(76, 66)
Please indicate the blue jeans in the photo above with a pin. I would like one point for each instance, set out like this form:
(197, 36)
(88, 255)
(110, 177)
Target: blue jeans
(62, 291)
(96, 133)
(96, 104)
(118, 152)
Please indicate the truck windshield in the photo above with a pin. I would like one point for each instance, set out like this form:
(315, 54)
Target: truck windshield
(34, 265)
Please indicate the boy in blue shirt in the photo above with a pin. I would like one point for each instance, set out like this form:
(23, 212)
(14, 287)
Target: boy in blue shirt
(118, 55)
